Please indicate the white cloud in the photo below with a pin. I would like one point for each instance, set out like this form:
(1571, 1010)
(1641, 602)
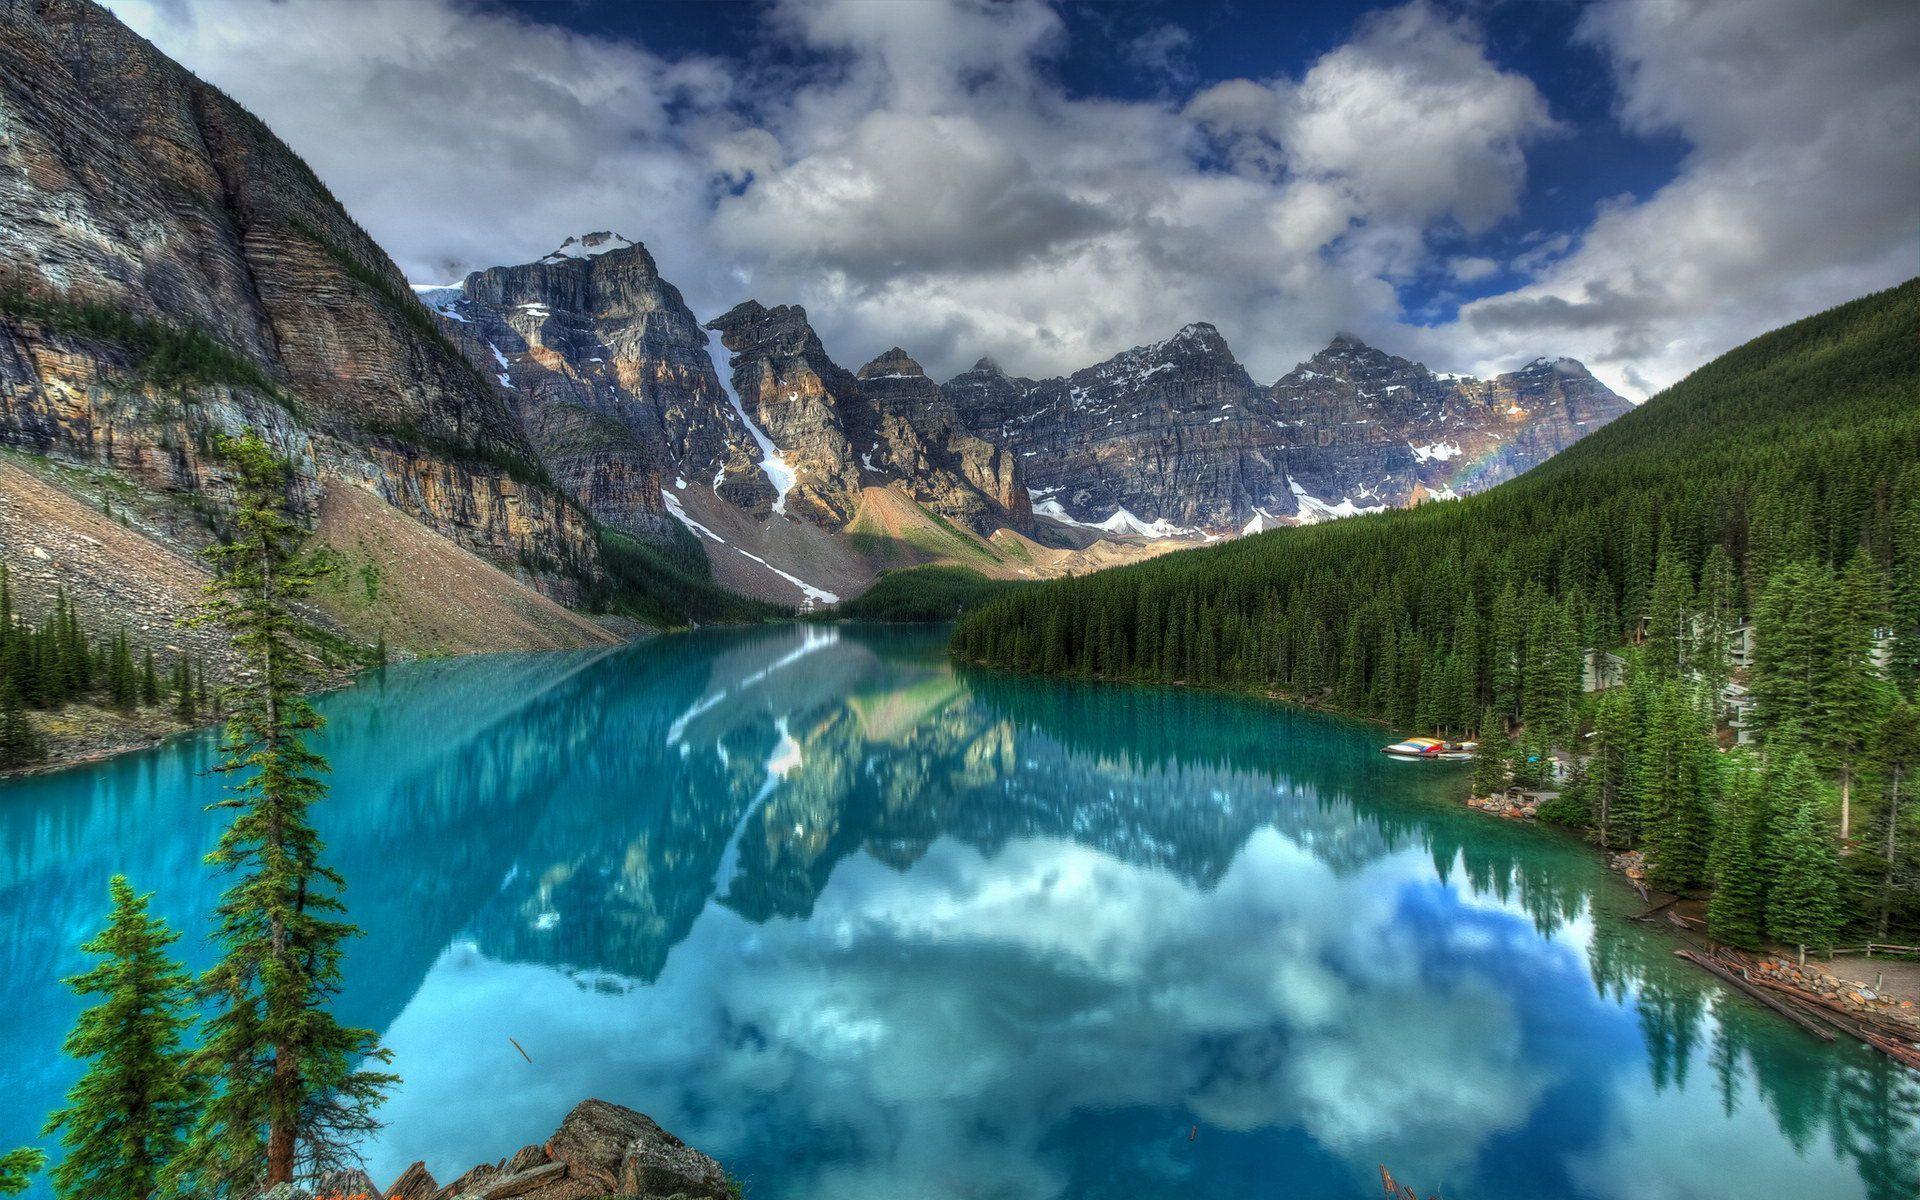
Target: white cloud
(1468, 268)
(914, 173)
(1801, 188)
(1411, 116)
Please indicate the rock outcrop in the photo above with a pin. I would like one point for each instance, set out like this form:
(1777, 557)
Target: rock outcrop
(175, 271)
(1176, 437)
(600, 1151)
(1394, 432)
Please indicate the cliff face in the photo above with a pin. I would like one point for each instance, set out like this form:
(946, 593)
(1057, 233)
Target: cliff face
(175, 269)
(1176, 437)
(919, 439)
(836, 432)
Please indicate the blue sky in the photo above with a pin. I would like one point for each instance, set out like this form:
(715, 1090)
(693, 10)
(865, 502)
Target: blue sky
(1638, 183)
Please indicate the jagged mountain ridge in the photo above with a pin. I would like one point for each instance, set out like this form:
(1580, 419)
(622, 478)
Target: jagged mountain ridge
(1177, 437)
(617, 385)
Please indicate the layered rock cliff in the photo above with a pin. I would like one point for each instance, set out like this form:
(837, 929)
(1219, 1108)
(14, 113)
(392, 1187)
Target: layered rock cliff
(175, 270)
(1176, 438)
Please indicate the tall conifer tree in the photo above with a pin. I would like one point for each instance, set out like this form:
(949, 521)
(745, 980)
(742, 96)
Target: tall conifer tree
(125, 1118)
(292, 1095)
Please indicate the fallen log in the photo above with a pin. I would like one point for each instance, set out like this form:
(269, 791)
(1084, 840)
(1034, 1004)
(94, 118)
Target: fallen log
(1780, 1006)
(1661, 907)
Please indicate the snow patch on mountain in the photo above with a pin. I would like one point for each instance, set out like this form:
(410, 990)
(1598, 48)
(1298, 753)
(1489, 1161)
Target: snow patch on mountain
(589, 245)
(1313, 510)
(772, 464)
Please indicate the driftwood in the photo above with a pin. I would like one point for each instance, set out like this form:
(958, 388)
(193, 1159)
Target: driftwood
(1892, 1040)
(1817, 1014)
(1738, 981)
(1659, 908)
(1396, 1190)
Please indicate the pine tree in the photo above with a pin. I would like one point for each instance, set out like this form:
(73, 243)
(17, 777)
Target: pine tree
(17, 1169)
(289, 1094)
(1668, 624)
(1491, 754)
(1850, 694)
(149, 682)
(20, 744)
(1736, 912)
(184, 708)
(1607, 762)
(126, 1116)
(1717, 601)
(1896, 753)
(1675, 773)
(1803, 903)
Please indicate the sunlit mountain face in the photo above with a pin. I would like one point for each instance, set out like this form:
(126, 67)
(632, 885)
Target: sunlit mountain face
(862, 926)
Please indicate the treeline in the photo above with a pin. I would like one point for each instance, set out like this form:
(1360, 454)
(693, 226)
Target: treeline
(933, 593)
(1779, 484)
(53, 663)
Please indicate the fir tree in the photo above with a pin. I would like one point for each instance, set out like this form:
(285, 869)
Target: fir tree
(149, 682)
(1491, 755)
(1803, 903)
(1674, 786)
(125, 1117)
(1668, 628)
(290, 1097)
(19, 743)
(1896, 754)
(1736, 912)
(1850, 693)
(17, 1169)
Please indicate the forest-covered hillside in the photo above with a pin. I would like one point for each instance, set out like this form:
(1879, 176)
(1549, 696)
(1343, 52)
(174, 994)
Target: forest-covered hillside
(1779, 484)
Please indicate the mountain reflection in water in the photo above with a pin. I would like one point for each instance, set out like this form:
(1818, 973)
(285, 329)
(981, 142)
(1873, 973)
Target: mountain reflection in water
(861, 926)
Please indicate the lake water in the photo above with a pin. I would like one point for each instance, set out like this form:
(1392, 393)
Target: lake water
(865, 929)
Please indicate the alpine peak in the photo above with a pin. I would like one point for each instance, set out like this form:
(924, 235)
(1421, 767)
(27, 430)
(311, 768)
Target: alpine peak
(590, 245)
(895, 363)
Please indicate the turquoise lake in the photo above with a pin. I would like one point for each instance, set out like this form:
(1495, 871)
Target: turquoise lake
(865, 928)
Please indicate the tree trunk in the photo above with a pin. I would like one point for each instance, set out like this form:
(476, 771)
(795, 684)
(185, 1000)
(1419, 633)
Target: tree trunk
(284, 1105)
(1846, 804)
(1886, 877)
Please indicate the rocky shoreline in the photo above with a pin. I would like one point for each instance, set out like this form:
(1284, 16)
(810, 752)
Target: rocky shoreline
(601, 1151)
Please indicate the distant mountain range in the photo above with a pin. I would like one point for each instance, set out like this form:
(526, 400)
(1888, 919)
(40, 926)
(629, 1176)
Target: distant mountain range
(174, 271)
(609, 371)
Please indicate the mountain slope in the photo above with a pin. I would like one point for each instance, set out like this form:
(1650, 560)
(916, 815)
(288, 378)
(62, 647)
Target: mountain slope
(174, 271)
(1804, 443)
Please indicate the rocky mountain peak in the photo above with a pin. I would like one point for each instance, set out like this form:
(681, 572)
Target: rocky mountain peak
(895, 363)
(989, 365)
(1199, 339)
(1555, 366)
(589, 245)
